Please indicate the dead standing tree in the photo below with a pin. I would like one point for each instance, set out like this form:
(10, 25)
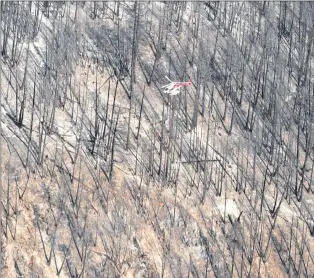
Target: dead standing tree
(135, 42)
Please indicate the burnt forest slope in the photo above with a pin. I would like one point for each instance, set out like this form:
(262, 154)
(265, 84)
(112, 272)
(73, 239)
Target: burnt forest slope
(104, 175)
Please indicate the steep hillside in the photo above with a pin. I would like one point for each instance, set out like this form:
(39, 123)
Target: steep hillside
(105, 175)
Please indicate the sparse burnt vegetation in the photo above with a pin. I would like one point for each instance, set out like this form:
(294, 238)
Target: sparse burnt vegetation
(104, 175)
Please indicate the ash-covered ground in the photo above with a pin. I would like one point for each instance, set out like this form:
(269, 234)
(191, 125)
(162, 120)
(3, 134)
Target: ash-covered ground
(104, 175)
